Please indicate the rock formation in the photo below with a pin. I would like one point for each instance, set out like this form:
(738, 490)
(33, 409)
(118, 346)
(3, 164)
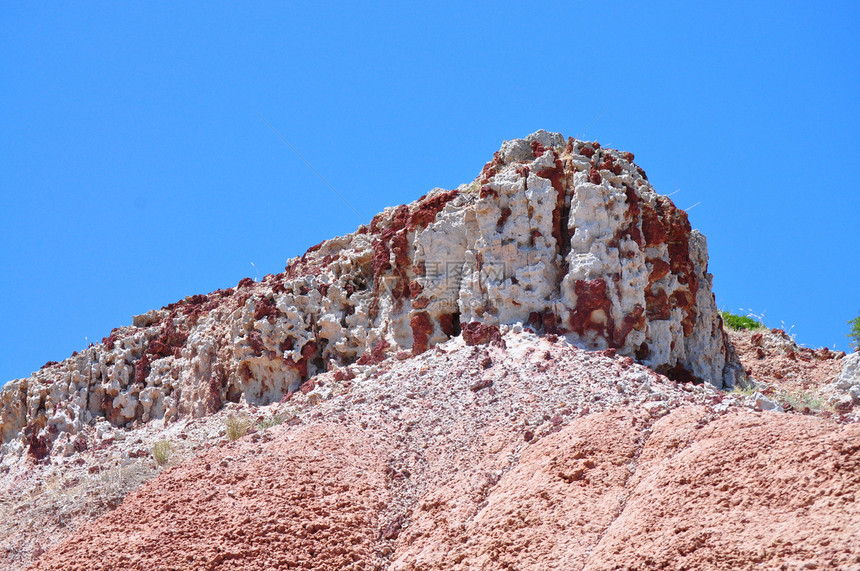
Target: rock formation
(526, 372)
(561, 236)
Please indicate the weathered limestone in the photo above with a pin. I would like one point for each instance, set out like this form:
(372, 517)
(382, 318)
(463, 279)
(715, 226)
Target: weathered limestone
(559, 235)
(848, 381)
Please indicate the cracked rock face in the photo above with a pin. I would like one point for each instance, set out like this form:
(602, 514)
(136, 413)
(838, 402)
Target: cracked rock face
(560, 236)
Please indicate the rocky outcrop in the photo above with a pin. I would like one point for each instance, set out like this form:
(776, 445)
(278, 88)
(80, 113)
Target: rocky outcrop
(788, 376)
(848, 381)
(561, 236)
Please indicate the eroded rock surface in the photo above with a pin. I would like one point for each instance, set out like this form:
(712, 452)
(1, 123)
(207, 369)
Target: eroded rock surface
(740, 491)
(562, 235)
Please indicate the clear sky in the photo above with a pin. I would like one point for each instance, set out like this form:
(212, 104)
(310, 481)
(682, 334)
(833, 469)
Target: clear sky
(135, 168)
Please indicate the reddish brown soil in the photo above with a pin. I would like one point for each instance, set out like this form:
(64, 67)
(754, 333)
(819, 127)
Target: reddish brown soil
(546, 513)
(528, 454)
(695, 490)
(303, 500)
(742, 491)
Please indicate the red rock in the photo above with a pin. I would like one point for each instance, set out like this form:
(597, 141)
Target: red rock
(39, 445)
(415, 289)
(377, 355)
(422, 328)
(631, 321)
(109, 341)
(141, 369)
(392, 530)
(537, 149)
(482, 383)
(591, 298)
(307, 387)
(169, 341)
(428, 209)
(487, 191)
(560, 214)
(255, 340)
(489, 169)
(477, 333)
(506, 212)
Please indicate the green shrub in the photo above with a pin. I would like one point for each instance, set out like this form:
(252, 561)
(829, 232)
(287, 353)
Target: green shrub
(237, 427)
(161, 451)
(855, 333)
(740, 322)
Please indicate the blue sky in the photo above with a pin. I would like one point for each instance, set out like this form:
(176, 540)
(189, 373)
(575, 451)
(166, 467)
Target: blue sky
(135, 168)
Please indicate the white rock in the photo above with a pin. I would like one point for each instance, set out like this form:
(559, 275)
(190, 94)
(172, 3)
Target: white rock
(765, 403)
(849, 377)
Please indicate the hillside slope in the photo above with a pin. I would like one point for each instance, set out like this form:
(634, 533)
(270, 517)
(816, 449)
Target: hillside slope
(565, 459)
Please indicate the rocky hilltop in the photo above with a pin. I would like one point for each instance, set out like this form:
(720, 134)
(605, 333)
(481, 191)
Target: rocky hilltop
(526, 372)
(563, 236)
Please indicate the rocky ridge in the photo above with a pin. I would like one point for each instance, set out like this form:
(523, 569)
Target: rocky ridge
(562, 235)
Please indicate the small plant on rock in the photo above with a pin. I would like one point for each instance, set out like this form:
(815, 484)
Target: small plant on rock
(854, 335)
(740, 322)
(161, 451)
(237, 427)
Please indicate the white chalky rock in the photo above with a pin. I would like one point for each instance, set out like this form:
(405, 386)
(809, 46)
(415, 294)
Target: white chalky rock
(849, 378)
(561, 236)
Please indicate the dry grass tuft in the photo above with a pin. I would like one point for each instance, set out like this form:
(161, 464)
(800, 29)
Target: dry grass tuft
(161, 451)
(237, 427)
